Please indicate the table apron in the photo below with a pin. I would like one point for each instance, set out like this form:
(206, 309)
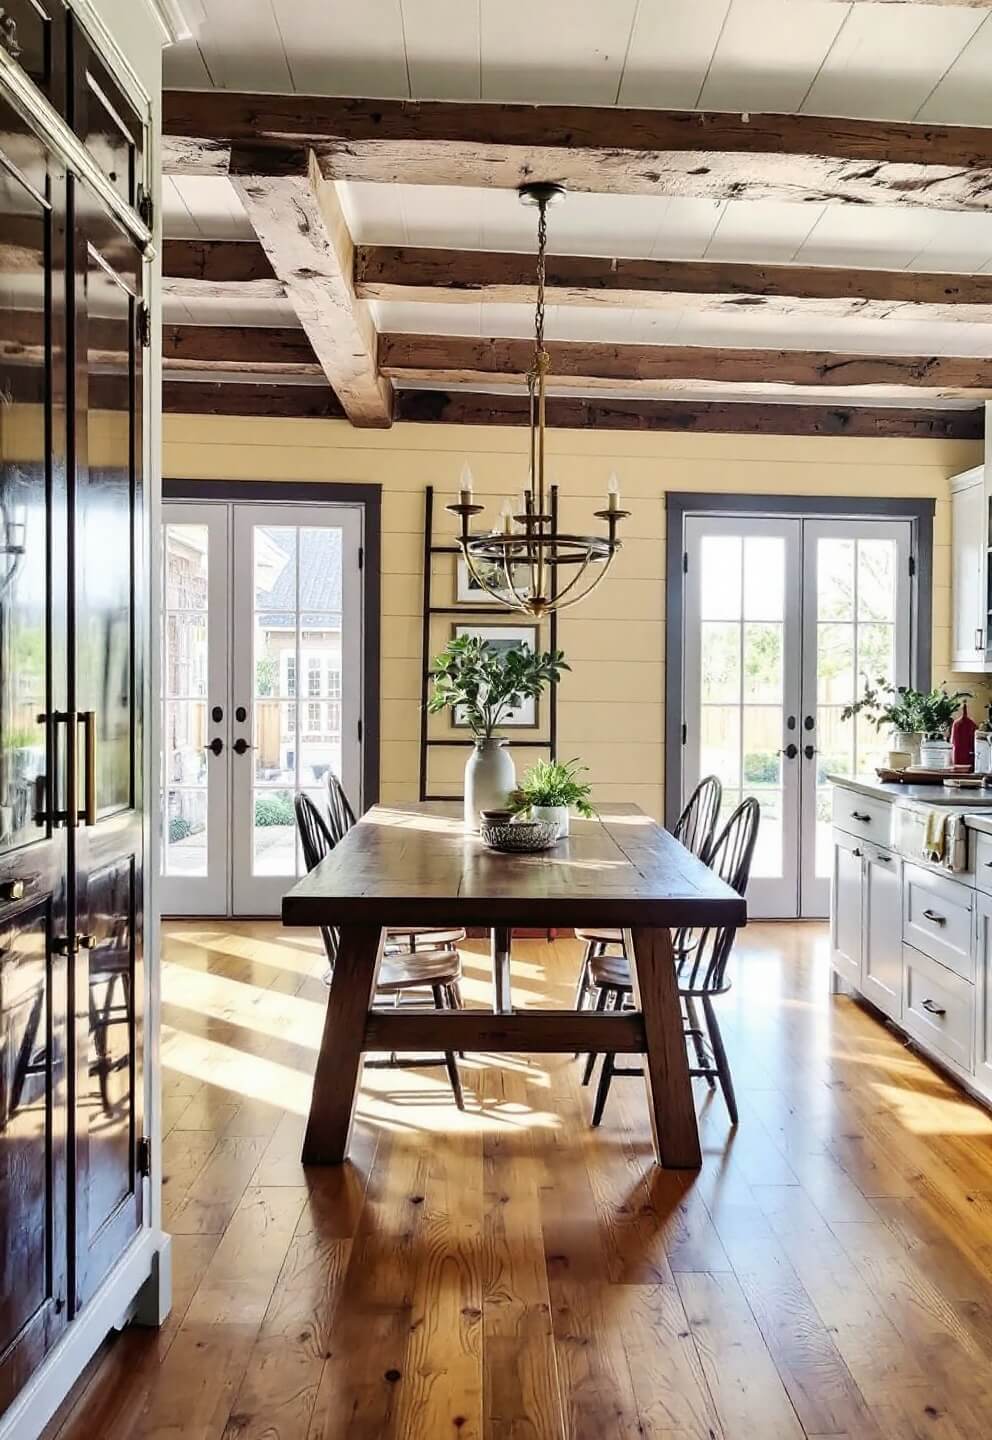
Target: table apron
(543, 1032)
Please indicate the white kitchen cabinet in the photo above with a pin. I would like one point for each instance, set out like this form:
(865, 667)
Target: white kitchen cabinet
(983, 995)
(969, 571)
(881, 951)
(847, 907)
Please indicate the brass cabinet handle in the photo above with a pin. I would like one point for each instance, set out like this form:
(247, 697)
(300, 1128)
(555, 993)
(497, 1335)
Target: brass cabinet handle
(87, 718)
(934, 917)
(12, 890)
(933, 1007)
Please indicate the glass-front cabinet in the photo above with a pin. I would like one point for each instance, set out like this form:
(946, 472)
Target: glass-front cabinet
(71, 670)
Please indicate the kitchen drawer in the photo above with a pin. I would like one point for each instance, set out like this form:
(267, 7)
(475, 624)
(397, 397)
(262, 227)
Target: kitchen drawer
(859, 815)
(938, 1008)
(937, 918)
(983, 861)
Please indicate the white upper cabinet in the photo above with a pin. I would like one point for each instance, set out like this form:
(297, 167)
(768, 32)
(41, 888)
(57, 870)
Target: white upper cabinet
(969, 571)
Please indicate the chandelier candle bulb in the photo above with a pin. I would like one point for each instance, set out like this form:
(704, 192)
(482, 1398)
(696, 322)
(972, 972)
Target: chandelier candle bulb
(465, 491)
(506, 515)
(613, 493)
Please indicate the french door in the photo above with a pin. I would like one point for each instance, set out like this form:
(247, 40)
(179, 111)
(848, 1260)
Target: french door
(783, 620)
(261, 692)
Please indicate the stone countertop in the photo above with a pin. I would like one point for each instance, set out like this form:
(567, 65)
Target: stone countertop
(966, 800)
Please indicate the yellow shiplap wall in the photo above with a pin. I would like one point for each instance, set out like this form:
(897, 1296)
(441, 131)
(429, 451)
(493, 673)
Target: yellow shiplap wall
(611, 707)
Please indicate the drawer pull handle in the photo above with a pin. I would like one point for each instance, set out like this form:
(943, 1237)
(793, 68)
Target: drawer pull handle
(933, 1008)
(934, 917)
(864, 818)
(885, 859)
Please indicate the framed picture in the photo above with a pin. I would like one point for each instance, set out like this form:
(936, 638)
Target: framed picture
(503, 637)
(468, 591)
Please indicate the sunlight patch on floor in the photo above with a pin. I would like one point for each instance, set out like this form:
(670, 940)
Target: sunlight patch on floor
(934, 1114)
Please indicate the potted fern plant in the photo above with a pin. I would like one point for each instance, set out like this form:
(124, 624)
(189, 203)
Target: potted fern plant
(486, 684)
(550, 790)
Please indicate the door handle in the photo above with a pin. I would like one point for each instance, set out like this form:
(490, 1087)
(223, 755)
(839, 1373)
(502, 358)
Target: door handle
(790, 752)
(241, 746)
(809, 751)
(936, 919)
(216, 745)
(933, 1007)
(87, 718)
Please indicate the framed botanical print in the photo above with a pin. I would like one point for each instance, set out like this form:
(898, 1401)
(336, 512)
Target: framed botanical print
(503, 637)
(468, 591)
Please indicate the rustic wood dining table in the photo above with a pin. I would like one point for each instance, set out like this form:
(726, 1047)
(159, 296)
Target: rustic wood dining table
(417, 864)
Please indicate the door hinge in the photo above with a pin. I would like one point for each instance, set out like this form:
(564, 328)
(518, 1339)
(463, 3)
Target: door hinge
(143, 325)
(361, 557)
(685, 562)
(685, 732)
(360, 731)
(912, 565)
(144, 206)
(144, 1156)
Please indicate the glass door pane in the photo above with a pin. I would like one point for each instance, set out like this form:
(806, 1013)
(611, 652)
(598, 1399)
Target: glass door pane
(194, 710)
(300, 640)
(857, 607)
(742, 635)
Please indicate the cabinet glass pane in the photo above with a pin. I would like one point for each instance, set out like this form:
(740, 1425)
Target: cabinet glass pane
(23, 540)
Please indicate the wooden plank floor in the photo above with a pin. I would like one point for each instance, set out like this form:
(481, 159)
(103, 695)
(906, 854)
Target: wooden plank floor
(510, 1274)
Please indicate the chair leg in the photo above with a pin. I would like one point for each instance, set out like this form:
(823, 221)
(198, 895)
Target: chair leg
(584, 985)
(602, 1000)
(696, 1025)
(720, 1056)
(453, 996)
(603, 1089)
(449, 1058)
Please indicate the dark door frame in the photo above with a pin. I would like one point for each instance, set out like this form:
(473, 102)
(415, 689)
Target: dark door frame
(679, 504)
(316, 492)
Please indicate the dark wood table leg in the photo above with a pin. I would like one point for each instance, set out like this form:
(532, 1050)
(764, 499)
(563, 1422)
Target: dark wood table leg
(339, 1064)
(502, 1003)
(666, 1065)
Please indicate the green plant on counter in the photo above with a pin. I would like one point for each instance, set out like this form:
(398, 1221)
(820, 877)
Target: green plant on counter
(899, 707)
(550, 783)
(487, 683)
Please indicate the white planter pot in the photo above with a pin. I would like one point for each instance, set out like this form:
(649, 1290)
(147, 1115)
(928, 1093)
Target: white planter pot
(490, 779)
(556, 813)
(908, 741)
(935, 754)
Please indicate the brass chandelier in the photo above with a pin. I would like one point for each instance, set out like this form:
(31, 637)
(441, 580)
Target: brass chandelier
(524, 563)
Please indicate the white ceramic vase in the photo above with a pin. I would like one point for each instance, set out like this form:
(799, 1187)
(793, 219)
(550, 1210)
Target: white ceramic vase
(909, 742)
(490, 779)
(552, 813)
(935, 754)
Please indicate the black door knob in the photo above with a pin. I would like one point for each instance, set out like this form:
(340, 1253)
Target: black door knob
(217, 714)
(216, 745)
(241, 714)
(240, 746)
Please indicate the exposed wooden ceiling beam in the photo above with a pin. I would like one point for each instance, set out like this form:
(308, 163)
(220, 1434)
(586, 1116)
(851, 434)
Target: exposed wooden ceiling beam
(466, 408)
(411, 273)
(470, 360)
(299, 222)
(220, 269)
(714, 155)
(254, 349)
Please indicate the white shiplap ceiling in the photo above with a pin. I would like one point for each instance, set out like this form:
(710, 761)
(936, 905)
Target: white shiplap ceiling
(899, 62)
(891, 61)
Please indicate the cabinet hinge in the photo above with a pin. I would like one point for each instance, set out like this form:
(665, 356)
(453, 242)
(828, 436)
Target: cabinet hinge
(144, 1156)
(685, 562)
(143, 323)
(145, 207)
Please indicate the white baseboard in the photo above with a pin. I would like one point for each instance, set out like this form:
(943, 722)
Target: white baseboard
(138, 1284)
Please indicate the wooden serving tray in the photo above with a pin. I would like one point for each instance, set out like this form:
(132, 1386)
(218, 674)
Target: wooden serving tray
(915, 775)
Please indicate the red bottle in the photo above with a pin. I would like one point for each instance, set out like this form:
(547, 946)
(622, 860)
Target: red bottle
(963, 740)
